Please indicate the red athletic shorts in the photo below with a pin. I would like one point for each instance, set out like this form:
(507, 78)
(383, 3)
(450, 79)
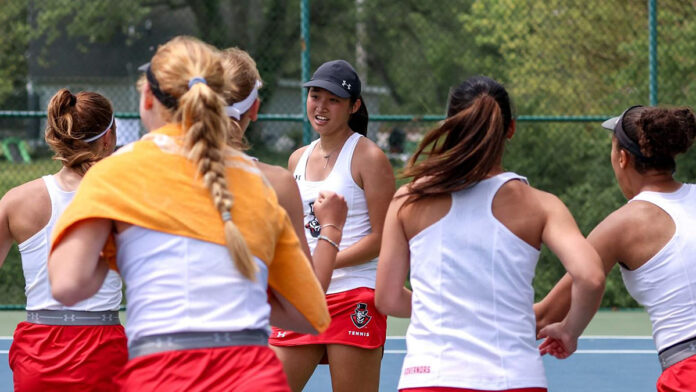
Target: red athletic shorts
(448, 389)
(354, 322)
(67, 357)
(680, 377)
(234, 368)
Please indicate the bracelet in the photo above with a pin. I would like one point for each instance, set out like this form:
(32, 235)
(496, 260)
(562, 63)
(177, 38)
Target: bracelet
(330, 225)
(327, 239)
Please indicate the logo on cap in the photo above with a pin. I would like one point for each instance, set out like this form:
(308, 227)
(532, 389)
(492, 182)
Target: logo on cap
(346, 85)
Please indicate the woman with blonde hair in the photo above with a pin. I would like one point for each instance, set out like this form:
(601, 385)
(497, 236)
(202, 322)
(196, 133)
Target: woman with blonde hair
(59, 346)
(208, 256)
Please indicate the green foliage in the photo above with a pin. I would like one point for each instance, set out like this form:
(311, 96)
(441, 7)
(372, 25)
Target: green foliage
(12, 279)
(13, 45)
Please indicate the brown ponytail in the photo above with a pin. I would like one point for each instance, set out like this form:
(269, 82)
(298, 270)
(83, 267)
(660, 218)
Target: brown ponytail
(201, 114)
(467, 146)
(73, 119)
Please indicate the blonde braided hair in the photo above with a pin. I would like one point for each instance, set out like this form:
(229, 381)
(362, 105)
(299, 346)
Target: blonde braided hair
(201, 114)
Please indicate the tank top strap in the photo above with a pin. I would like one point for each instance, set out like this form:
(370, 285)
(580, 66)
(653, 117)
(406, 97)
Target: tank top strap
(345, 157)
(301, 167)
(672, 203)
(486, 190)
(53, 193)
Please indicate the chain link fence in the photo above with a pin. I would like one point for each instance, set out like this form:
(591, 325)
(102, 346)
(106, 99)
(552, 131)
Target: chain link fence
(567, 64)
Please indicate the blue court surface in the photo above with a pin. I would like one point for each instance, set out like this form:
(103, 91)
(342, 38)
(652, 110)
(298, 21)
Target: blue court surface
(601, 364)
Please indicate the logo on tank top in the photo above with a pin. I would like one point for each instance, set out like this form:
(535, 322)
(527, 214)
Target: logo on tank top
(360, 317)
(313, 224)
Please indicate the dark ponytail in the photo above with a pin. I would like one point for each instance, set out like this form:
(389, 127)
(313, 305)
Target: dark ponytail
(358, 120)
(467, 146)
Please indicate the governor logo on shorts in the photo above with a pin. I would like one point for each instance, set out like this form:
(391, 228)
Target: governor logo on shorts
(360, 317)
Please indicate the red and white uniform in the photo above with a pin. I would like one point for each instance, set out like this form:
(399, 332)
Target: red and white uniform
(472, 324)
(355, 320)
(178, 284)
(666, 284)
(55, 357)
(194, 322)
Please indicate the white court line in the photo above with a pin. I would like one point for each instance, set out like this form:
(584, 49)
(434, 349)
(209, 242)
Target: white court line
(601, 352)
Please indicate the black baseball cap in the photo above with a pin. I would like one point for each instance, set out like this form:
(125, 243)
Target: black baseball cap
(338, 77)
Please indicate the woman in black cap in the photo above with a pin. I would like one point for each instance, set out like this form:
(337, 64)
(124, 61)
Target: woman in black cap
(652, 237)
(345, 162)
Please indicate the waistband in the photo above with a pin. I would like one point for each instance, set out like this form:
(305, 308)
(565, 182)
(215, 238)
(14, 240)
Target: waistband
(192, 340)
(73, 317)
(677, 353)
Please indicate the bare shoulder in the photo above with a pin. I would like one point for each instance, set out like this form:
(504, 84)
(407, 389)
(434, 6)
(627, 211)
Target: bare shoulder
(523, 196)
(278, 176)
(635, 220)
(367, 149)
(295, 157)
(26, 194)
(26, 209)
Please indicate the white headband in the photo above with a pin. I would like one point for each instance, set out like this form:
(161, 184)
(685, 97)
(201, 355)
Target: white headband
(238, 108)
(90, 140)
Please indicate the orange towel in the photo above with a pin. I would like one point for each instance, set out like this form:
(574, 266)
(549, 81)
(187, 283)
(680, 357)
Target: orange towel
(151, 183)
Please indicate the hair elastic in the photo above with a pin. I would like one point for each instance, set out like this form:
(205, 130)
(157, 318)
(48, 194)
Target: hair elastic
(226, 216)
(195, 80)
(93, 138)
(238, 108)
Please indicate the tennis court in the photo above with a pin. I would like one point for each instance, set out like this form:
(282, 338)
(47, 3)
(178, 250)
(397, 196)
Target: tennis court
(615, 355)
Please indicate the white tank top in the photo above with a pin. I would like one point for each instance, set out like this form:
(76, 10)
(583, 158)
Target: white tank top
(34, 252)
(666, 284)
(472, 323)
(181, 284)
(357, 226)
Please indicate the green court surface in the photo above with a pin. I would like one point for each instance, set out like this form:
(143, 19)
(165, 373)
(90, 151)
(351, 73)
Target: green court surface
(606, 322)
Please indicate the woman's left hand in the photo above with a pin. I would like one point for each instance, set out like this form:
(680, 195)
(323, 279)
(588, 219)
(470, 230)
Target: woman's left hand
(559, 342)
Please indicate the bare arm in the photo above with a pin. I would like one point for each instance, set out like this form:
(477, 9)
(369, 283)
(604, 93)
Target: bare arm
(391, 297)
(563, 237)
(74, 267)
(605, 240)
(284, 315)
(331, 209)
(377, 180)
(289, 198)
(6, 238)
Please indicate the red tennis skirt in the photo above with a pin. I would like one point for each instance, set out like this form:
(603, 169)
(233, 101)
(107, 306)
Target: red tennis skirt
(67, 357)
(233, 368)
(450, 389)
(355, 321)
(680, 377)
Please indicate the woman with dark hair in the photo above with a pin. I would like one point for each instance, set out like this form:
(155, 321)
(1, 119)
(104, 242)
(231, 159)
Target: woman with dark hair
(470, 233)
(652, 237)
(60, 346)
(343, 161)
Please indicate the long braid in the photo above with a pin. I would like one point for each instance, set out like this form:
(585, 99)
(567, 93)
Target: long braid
(202, 117)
